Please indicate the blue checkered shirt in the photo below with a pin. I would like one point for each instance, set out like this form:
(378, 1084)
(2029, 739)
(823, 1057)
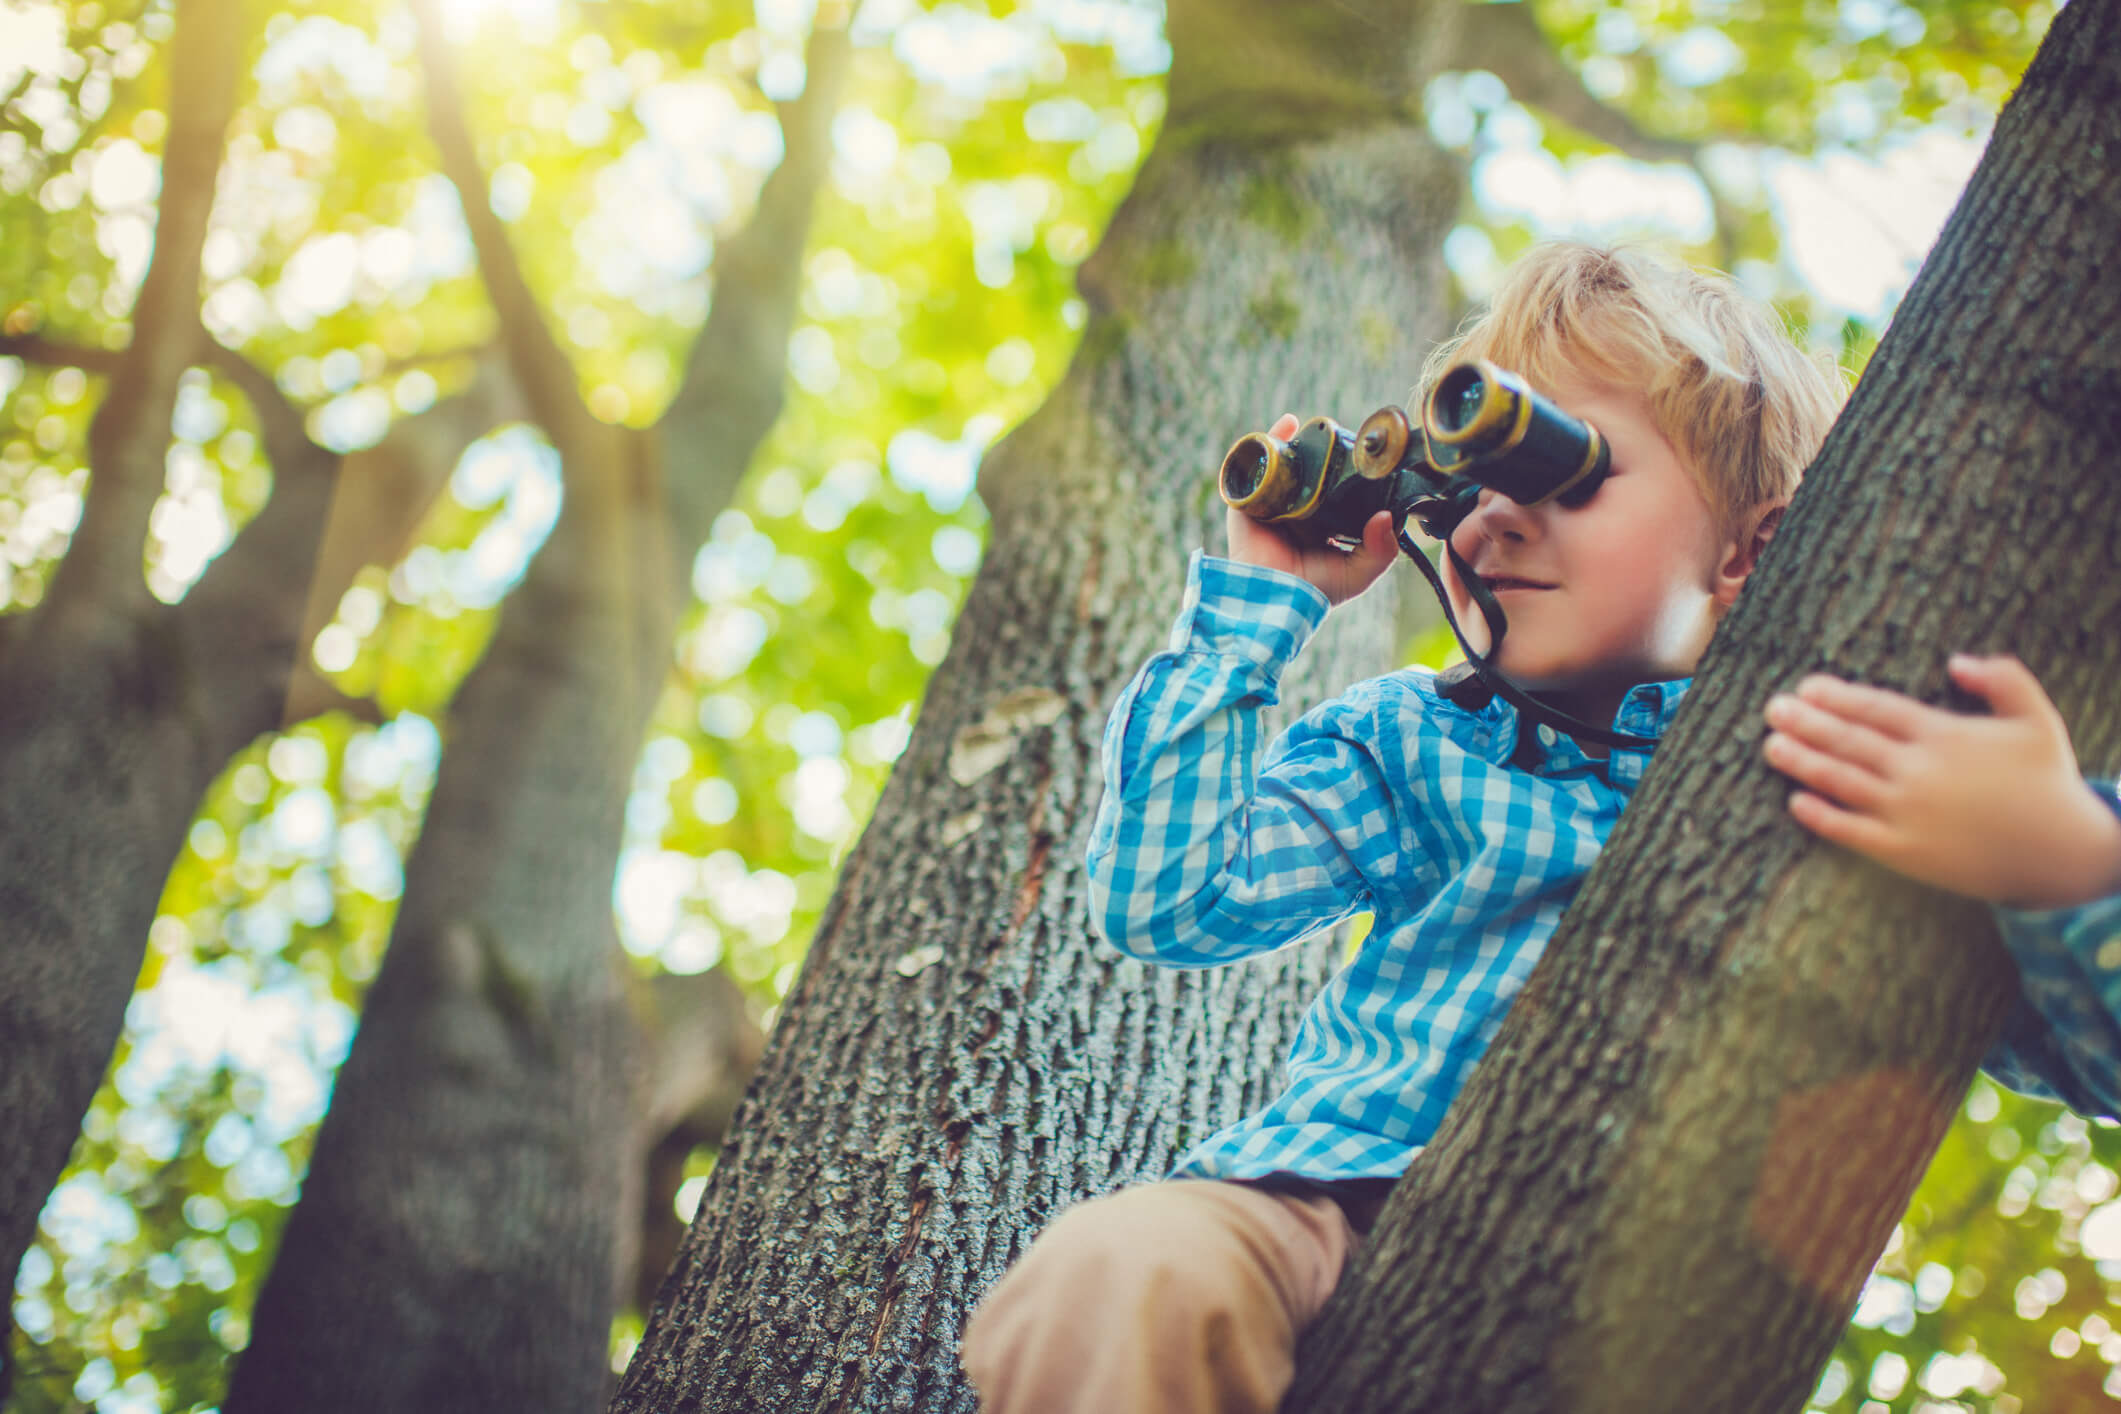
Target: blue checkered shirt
(1393, 801)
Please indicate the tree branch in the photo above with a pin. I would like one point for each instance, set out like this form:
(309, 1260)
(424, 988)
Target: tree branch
(542, 367)
(1505, 39)
(428, 358)
(732, 390)
(376, 498)
(329, 516)
(54, 353)
(241, 623)
(286, 438)
(385, 491)
(130, 431)
(311, 694)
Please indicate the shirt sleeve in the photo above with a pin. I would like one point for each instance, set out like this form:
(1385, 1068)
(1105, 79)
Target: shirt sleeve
(2063, 1039)
(1202, 852)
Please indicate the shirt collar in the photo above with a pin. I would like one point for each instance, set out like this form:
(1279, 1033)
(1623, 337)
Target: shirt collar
(1650, 706)
(1646, 711)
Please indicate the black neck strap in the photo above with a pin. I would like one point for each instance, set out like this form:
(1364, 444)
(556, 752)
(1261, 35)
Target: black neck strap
(1490, 676)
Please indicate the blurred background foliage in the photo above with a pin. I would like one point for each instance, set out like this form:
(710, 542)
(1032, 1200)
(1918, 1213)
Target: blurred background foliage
(981, 150)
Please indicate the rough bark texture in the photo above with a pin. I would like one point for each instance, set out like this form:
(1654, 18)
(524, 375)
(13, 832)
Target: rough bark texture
(461, 1209)
(961, 1058)
(1664, 1186)
(472, 1209)
(115, 710)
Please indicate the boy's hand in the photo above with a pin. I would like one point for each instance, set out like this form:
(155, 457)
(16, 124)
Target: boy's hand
(1991, 806)
(1340, 575)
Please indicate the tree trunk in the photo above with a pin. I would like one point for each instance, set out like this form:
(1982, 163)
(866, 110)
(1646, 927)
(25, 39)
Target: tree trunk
(116, 711)
(454, 1245)
(1664, 1186)
(473, 1206)
(961, 1058)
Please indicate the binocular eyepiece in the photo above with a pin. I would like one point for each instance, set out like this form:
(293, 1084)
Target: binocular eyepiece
(1481, 426)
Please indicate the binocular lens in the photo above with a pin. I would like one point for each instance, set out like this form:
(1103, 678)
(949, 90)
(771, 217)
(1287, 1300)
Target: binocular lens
(1458, 398)
(1245, 468)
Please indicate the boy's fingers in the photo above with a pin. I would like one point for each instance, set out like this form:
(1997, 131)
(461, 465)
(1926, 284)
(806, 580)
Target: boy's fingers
(2007, 685)
(1284, 426)
(1846, 828)
(1849, 784)
(1841, 736)
(1256, 541)
(1377, 539)
(1897, 716)
(1373, 557)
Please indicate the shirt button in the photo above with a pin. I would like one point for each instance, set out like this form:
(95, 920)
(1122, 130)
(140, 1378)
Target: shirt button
(1547, 736)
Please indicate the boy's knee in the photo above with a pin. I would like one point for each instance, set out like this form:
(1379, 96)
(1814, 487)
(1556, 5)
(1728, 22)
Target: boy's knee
(1132, 1221)
(1145, 1253)
(1127, 1299)
(1135, 1236)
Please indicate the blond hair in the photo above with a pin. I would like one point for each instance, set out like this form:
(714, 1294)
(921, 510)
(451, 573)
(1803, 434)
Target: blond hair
(1744, 407)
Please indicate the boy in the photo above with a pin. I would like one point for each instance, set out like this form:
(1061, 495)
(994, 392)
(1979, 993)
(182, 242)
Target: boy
(1465, 832)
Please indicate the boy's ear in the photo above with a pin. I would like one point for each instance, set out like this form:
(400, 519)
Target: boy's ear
(1745, 552)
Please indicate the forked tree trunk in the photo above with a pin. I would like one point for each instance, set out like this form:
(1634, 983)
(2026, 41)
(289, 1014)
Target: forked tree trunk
(961, 1058)
(470, 1215)
(1665, 1184)
(454, 1243)
(118, 711)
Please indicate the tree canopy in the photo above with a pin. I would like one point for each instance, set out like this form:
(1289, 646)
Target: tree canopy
(1811, 149)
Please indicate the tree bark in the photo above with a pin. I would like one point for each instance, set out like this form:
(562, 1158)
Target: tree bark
(1664, 1186)
(116, 711)
(454, 1246)
(961, 1058)
(472, 1210)
(705, 1046)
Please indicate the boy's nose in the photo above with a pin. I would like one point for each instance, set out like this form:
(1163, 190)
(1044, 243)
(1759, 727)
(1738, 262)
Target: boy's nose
(1495, 517)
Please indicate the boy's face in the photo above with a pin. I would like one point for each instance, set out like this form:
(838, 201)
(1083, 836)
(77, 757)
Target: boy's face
(1622, 590)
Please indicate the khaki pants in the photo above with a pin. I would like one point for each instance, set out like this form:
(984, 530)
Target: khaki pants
(1186, 1295)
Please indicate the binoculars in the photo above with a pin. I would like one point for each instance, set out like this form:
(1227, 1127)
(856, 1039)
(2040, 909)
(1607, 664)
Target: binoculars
(1481, 426)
